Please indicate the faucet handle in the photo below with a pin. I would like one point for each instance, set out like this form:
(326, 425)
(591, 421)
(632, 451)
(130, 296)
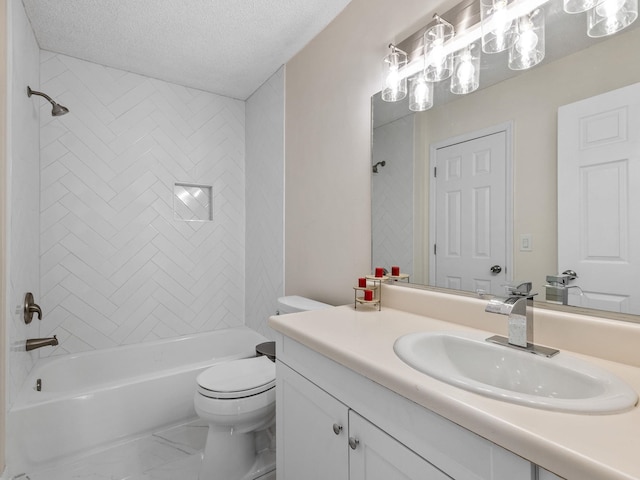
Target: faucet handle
(30, 308)
(519, 288)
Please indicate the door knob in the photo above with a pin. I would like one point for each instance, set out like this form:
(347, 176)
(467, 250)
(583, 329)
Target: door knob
(337, 428)
(496, 269)
(353, 443)
(30, 308)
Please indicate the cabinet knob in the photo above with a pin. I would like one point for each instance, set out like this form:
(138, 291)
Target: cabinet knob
(337, 428)
(353, 443)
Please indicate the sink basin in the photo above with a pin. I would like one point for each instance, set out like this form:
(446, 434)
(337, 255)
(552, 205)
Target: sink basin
(561, 383)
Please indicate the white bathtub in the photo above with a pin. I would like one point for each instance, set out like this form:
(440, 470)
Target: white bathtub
(92, 399)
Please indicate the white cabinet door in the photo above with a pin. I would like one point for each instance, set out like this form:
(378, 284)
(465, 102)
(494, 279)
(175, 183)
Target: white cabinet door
(312, 430)
(377, 456)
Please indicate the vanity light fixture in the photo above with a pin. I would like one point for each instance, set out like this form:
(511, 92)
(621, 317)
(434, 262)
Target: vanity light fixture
(497, 25)
(438, 62)
(466, 69)
(515, 25)
(394, 85)
(528, 46)
(420, 93)
(611, 16)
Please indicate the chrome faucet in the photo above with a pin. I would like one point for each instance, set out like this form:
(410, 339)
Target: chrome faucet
(33, 343)
(557, 287)
(519, 309)
(520, 317)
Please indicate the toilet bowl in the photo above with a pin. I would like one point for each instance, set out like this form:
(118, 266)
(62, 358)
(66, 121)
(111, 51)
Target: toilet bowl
(237, 400)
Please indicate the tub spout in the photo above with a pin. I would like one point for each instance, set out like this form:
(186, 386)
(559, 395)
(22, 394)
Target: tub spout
(33, 343)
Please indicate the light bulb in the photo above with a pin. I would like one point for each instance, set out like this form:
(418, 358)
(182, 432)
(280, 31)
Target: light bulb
(501, 23)
(497, 25)
(392, 78)
(466, 64)
(609, 8)
(421, 92)
(393, 83)
(466, 70)
(611, 16)
(528, 48)
(438, 62)
(527, 42)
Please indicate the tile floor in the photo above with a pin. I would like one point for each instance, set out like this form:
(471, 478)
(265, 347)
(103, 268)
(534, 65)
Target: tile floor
(172, 454)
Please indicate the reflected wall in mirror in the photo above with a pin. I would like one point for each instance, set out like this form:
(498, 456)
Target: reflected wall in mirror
(530, 102)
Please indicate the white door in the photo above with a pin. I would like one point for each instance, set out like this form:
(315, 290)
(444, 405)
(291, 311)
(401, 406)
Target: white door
(470, 251)
(312, 430)
(377, 456)
(598, 197)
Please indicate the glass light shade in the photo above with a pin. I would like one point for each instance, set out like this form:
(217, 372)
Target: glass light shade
(578, 6)
(420, 93)
(497, 29)
(394, 87)
(528, 47)
(466, 69)
(438, 66)
(611, 16)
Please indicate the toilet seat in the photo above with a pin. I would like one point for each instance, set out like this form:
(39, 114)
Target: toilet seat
(238, 378)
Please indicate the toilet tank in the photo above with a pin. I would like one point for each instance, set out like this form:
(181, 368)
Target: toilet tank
(295, 303)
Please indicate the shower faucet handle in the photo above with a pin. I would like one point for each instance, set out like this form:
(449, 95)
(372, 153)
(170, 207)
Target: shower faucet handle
(30, 307)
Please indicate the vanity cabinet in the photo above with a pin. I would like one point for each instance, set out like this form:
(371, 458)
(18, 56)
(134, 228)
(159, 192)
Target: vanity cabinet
(333, 423)
(374, 455)
(311, 430)
(322, 438)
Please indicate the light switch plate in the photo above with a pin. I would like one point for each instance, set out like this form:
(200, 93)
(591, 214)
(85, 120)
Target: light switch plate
(526, 242)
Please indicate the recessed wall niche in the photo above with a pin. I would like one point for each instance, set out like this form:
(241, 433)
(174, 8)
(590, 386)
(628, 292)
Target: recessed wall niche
(192, 203)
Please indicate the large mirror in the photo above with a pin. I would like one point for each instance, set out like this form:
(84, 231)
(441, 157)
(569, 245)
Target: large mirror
(409, 216)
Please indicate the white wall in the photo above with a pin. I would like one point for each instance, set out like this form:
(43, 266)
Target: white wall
(328, 144)
(117, 266)
(23, 193)
(264, 202)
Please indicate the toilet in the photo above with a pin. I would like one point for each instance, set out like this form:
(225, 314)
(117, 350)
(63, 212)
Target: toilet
(237, 399)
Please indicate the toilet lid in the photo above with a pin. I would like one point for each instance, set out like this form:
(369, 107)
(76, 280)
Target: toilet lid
(238, 378)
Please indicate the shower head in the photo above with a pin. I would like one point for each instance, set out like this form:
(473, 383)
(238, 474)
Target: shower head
(57, 109)
(375, 167)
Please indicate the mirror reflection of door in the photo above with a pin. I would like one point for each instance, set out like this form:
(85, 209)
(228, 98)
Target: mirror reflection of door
(470, 210)
(598, 197)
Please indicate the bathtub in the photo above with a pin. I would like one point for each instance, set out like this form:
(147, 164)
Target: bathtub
(90, 400)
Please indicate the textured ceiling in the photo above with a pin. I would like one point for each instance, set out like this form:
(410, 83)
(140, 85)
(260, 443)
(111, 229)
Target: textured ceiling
(229, 47)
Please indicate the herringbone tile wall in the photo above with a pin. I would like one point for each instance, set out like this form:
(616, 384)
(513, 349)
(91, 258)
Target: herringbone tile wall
(116, 267)
(265, 202)
(392, 204)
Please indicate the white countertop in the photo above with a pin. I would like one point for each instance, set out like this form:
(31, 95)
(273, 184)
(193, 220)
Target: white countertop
(580, 447)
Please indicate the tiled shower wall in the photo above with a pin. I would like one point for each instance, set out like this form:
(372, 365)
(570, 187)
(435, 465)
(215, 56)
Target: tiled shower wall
(265, 202)
(118, 265)
(392, 195)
